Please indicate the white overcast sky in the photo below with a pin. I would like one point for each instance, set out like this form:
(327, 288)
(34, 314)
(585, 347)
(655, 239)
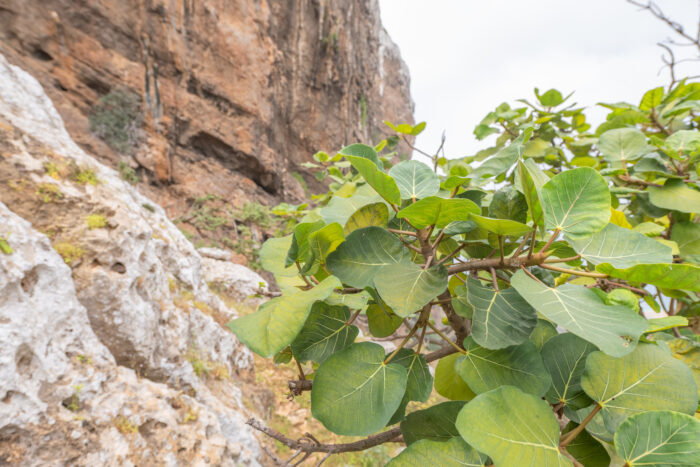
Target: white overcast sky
(467, 56)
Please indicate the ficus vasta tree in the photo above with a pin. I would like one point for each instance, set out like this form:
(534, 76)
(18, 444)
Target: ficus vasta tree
(533, 262)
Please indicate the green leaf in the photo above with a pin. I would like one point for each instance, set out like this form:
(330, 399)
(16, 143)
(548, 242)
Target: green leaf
(407, 287)
(448, 383)
(275, 325)
(650, 229)
(415, 179)
(586, 449)
(544, 330)
(299, 249)
(564, 356)
(376, 214)
(551, 98)
(623, 297)
(461, 304)
(363, 254)
(530, 179)
(321, 243)
(363, 151)
(500, 226)
(649, 378)
(452, 453)
(613, 329)
(668, 322)
(518, 365)
(438, 211)
(382, 321)
(577, 202)
(340, 209)
(675, 195)
(436, 423)
(504, 159)
(272, 258)
(621, 145)
(500, 319)
(500, 424)
(684, 141)
(324, 333)
(509, 203)
(652, 98)
(382, 183)
(668, 276)
(687, 236)
(659, 439)
(355, 393)
(419, 384)
(620, 247)
(688, 352)
(5, 247)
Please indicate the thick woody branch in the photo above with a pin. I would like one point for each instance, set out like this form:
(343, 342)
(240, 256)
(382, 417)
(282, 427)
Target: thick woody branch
(309, 444)
(496, 263)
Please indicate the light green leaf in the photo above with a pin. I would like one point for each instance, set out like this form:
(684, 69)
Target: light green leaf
(564, 356)
(688, 352)
(275, 325)
(621, 145)
(530, 179)
(504, 159)
(382, 321)
(438, 211)
(500, 424)
(544, 330)
(586, 449)
(684, 141)
(659, 439)
(651, 98)
(461, 304)
(452, 453)
(650, 229)
(667, 322)
(649, 378)
(500, 319)
(272, 258)
(321, 243)
(339, 209)
(577, 202)
(382, 183)
(613, 329)
(324, 333)
(500, 226)
(376, 214)
(5, 246)
(363, 254)
(355, 393)
(620, 247)
(448, 383)
(299, 249)
(407, 287)
(675, 195)
(668, 276)
(419, 384)
(623, 297)
(363, 151)
(687, 237)
(415, 179)
(436, 423)
(518, 365)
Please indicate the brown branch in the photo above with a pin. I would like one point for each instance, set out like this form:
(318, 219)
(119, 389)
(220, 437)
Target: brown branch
(636, 181)
(402, 232)
(308, 446)
(569, 437)
(508, 263)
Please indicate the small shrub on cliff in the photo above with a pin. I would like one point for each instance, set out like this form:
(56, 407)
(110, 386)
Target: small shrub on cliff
(95, 221)
(116, 118)
(49, 193)
(127, 173)
(70, 252)
(537, 253)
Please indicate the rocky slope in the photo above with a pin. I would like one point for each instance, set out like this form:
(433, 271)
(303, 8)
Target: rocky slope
(230, 97)
(106, 320)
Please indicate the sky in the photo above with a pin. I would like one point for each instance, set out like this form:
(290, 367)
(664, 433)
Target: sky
(465, 57)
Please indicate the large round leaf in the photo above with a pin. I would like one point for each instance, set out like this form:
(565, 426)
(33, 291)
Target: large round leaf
(668, 276)
(621, 247)
(500, 226)
(415, 179)
(363, 253)
(419, 384)
(687, 236)
(509, 203)
(577, 202)
(272, 258)
(436, 423)
(275, 325)
(407, 287)
(355, 393)
(500, 319)
(382, 183)
(324, 333)
(381, 320)
(564, 356)
(376, 214)
(340, 209)
(622, 144)
(519, 365)
(321, 243)
(649, 378)
(513, 428)
(613, 329)
(448, 383)
(452, 453)
(438, 211)
(659, 439)
(675, 195)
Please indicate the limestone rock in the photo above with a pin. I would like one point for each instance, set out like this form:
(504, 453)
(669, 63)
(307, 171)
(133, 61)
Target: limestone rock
(236, 280)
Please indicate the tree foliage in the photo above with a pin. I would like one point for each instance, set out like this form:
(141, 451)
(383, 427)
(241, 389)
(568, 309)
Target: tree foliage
(533, 261)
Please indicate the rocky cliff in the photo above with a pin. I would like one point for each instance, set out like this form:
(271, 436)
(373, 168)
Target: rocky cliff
(224, 97)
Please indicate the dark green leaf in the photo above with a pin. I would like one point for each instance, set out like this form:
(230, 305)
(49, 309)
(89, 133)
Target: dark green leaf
(324, 333)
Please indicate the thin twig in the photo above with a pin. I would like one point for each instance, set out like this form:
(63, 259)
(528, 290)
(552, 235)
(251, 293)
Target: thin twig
(494, 279)
(551, 239)
(569, 437)
(574, 272)
(402, 232)
(446, 339)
